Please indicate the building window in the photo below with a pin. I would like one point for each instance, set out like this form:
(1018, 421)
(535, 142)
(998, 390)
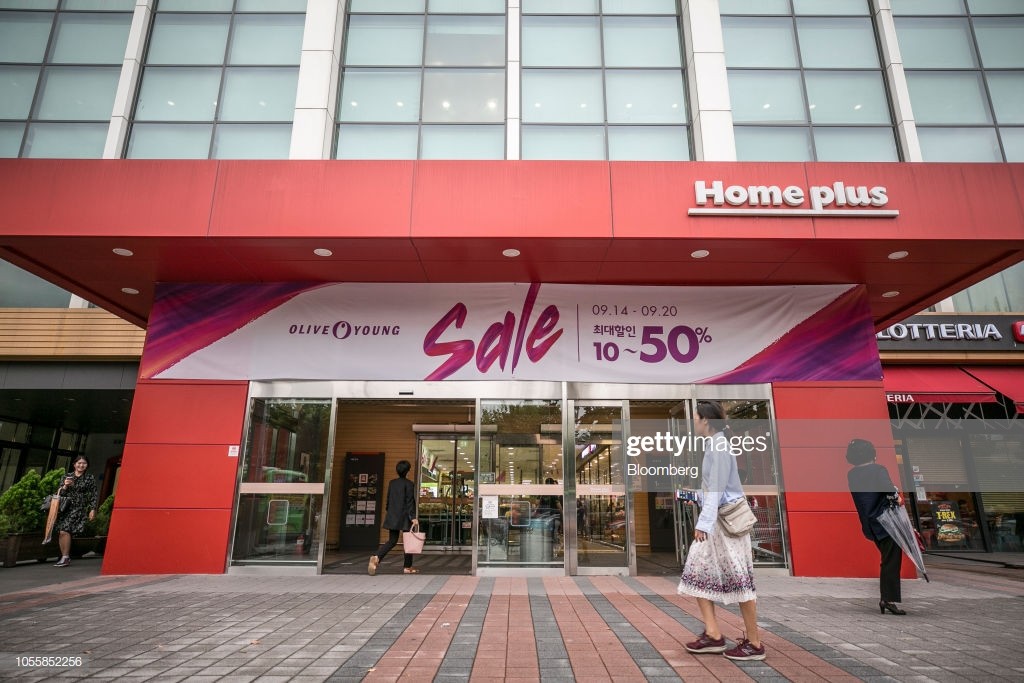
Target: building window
(965, 71)
(1001, 293)
(806, 81)
(423, 80)
(219, 80)
(60, 61)
(603, 81)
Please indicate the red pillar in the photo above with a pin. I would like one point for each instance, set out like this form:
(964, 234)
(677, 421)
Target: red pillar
(176, 488)
(816, 422)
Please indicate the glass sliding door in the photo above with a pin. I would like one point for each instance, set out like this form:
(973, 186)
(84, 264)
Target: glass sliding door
(447, 488)
(520, 483)
(281, 494)
(603, 532)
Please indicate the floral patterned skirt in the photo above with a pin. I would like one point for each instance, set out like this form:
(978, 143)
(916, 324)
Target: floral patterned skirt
(720, 568)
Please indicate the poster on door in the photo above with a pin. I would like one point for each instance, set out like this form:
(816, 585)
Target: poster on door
(372, 331)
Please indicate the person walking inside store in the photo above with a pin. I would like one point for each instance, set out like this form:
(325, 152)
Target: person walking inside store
(400, 515)
(872, 489)
(80, 490)
(719, 567)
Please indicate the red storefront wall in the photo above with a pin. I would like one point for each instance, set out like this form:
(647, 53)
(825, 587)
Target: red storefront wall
(177, 484)
(824, 531)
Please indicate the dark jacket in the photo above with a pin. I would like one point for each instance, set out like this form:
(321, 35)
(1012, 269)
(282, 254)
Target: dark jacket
(870, 487)
(401, 505)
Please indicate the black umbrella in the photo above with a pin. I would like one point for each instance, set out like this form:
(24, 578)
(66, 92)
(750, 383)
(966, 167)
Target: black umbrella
(896, 523)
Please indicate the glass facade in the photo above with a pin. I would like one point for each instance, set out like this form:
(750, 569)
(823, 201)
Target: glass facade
(806, 82)
(59, 67)
(965, 71)
(219, 81)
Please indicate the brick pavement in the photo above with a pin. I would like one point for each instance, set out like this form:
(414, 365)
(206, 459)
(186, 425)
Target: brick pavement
(961, 627)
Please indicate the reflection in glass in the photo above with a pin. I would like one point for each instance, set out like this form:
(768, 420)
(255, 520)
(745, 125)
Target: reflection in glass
(257, 94)
(465, 41)
(188, 39)
(1007, 90)
(380, 95)
(23, 36)
(562, 96)
(1000, 41)
(645, 96)
(281, 528)
(847, 97)
(65, 140)
(648, 143)
(561, 41)
(563, 142)
(266, 39)
(773, 144)
(447, 483)
(525, 450)
(948, 97)
(936, 43)
(17, 86)
(178, 94)
(959, 144)
(90, 38)
(642, 41)
(1013, 147)
(759, 42)
(767, 96)
(384, 41)
(251, 141)
(78, 93)
(170, 141)
(10, 141)
(287, 441)
(463, 142)
(601, 533)
(377, 142)
(855, 144)
(463, 95)
(837, 43)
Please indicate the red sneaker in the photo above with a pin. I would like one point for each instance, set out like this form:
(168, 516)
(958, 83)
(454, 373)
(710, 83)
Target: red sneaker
(705, 644)
(745, 651)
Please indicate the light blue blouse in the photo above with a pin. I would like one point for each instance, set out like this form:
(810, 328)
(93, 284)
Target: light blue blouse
(720, 482)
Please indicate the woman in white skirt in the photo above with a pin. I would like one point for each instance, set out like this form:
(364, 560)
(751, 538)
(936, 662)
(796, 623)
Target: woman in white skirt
(719, 567)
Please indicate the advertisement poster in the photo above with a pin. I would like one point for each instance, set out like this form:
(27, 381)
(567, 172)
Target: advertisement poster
(519, 331)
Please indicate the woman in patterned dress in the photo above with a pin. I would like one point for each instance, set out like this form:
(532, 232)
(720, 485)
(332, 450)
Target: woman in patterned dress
(81, 492)
(719, 567)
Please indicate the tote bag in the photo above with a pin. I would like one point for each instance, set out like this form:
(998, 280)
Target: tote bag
(412, 540)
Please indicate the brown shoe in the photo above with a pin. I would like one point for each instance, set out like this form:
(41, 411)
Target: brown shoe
(371, 568)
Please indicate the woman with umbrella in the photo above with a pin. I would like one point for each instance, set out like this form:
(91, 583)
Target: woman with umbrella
(81, 492)
(872, 490)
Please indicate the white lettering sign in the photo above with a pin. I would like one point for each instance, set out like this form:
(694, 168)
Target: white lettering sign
(939, 332)
(837, 199)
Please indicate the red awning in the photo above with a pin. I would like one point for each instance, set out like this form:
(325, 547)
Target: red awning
(1007, 381)
(933, 384)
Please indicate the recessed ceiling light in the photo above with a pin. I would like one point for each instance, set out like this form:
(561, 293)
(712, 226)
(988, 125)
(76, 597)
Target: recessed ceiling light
(129, 290)
(890, 295)
(700, 253)
(123, 252)
(323, 252)
(897, 255)
(511, 253)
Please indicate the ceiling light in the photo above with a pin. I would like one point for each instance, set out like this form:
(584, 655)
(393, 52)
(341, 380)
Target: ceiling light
(129, 290)
(700, 253)
(897, 255)
(890, 294)
(123, 252)
(511, 253)
(323, 252)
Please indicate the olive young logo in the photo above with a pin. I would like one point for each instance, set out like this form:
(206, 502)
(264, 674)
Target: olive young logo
(837, 200)
(343, 329)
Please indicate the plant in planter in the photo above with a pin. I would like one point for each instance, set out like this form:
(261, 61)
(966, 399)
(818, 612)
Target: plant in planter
(21, 518)
(97, 528)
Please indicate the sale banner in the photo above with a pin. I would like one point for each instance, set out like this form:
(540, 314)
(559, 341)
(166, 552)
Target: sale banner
(521, 331)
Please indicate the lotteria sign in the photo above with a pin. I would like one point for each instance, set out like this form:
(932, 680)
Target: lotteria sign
(837, 199)
(390, 331)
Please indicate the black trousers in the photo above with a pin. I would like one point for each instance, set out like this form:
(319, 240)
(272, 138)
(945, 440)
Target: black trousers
(889, 572)
(393, 535)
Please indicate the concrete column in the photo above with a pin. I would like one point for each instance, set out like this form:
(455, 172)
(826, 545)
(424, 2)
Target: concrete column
(127, 84)
(707, 82)
(316, 97)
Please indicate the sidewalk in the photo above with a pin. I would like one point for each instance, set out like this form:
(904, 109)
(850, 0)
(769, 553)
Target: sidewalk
(961, 626)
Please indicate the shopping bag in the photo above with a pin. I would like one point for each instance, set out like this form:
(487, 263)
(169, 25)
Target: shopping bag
(412, 540)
